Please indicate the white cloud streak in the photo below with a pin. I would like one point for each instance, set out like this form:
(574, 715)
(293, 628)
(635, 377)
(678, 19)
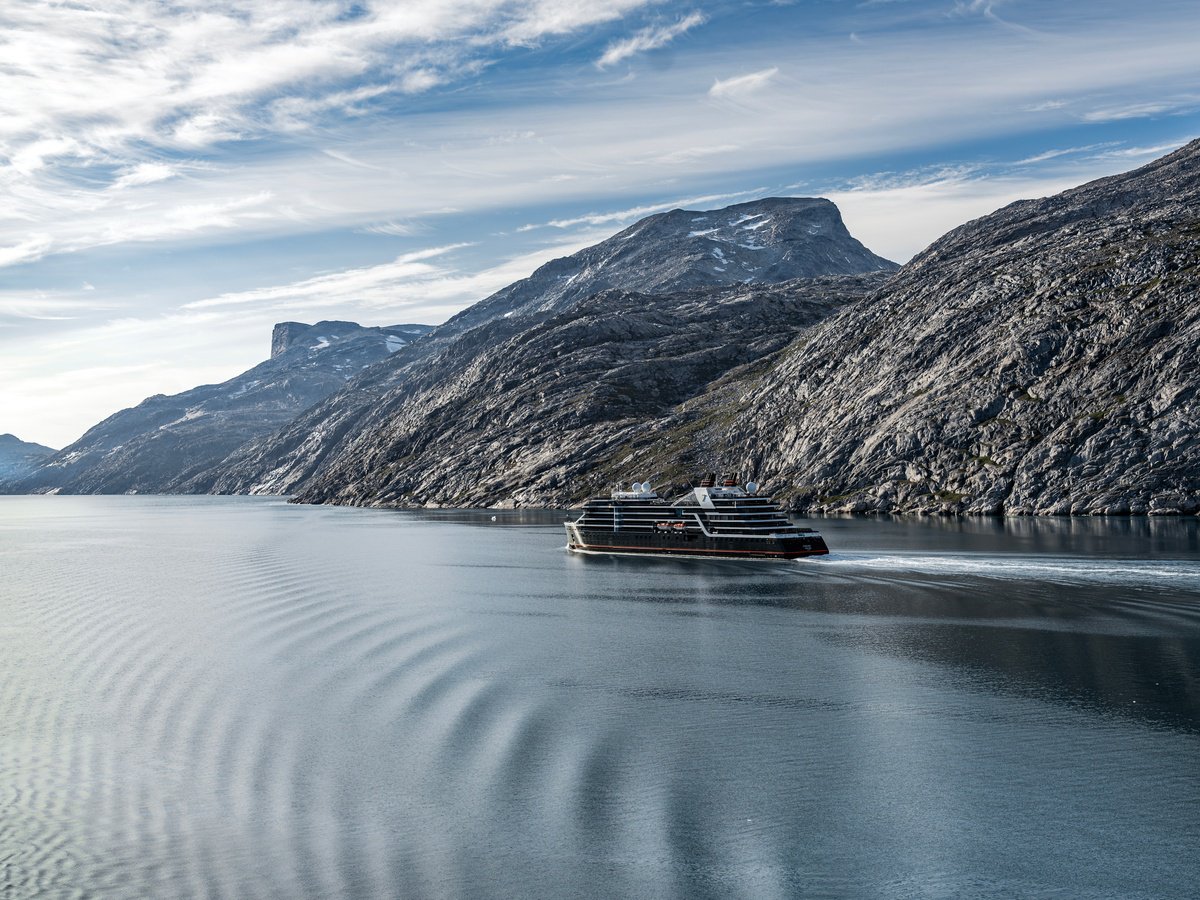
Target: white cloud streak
(631, 214)
(28, 250)
(651, 38)
(361, 284)
(743, 85)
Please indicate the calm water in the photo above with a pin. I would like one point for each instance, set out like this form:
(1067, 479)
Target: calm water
(205, 697)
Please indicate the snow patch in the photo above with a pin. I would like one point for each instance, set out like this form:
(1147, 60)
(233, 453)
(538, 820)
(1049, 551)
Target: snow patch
(718, 253)
(186, 417)
(755, 226)
(706, 231)
(393, 344)
(747, 219)
(322, 343)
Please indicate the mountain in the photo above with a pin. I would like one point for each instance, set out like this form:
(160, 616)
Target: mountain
(159, 443)
(759, 242)
(18, 458)
(531, 415)
(1039, 360)
(334, 446)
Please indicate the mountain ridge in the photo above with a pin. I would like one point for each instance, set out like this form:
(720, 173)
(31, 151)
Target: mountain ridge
(155, 445)
(1038, 360)
(19, 458)
(795, 236)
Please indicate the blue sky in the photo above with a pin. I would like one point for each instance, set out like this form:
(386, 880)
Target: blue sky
(176, 178)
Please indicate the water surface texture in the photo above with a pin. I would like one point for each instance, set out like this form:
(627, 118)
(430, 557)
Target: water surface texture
(237, 697)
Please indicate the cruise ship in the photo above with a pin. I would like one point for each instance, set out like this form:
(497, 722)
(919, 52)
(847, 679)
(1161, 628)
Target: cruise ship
(711, 520)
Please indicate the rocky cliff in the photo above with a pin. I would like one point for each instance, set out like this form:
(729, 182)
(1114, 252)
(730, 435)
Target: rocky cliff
(158, 444)
(1042, 359)
(333, 447)
(528, 418)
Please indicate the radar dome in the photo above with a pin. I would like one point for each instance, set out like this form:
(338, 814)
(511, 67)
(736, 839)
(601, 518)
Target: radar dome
(751, 487)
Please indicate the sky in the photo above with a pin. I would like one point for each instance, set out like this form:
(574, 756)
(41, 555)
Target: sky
(176, 178)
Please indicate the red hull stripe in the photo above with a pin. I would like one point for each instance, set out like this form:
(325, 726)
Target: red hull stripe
(698, 551)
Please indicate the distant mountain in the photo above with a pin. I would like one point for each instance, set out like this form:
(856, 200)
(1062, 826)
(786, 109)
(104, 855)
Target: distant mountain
(334, 446)
(156, 445)
(1039, 360)
(18, 458)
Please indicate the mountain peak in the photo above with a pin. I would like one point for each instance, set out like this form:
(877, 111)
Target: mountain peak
(765, 241)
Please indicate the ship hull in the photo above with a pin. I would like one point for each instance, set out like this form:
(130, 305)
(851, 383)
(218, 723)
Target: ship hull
(589, 540)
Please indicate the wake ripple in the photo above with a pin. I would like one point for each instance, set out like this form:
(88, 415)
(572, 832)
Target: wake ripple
(1148, 573)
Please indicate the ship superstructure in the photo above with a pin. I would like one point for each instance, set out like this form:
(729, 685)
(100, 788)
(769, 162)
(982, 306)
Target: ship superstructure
(710, 520)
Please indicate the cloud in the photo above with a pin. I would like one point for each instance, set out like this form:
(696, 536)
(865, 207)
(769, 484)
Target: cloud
(359, 284)
(144, 173)
(1135, 153)
(1046, 105)
(28, 250)
(96, 81)
(650, 38)
(1141, 109)
(392, 229)
(639, 212)
(1058, 152)
(743, 85)
(898, 214)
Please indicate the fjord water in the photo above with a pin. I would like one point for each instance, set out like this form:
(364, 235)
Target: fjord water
(237, 697)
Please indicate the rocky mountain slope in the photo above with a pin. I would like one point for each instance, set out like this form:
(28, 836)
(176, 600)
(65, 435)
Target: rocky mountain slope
(162, 441)
(19, 458)
(1042, 359)
(530, 415)
(763, 242)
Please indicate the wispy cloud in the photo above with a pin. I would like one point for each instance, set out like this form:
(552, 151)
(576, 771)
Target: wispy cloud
(392, 229)
(360, 284)
(1135, 153)
(638, 212)
(743, 85)
(144, 173)
(650, 38)
(32, 248)
(1057, 152)
(93, 81)
(1141, 109)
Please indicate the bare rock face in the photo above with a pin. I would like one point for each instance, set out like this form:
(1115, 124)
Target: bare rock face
(1039, 360)
(160, 443)
(527, 420)
(330, 451)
